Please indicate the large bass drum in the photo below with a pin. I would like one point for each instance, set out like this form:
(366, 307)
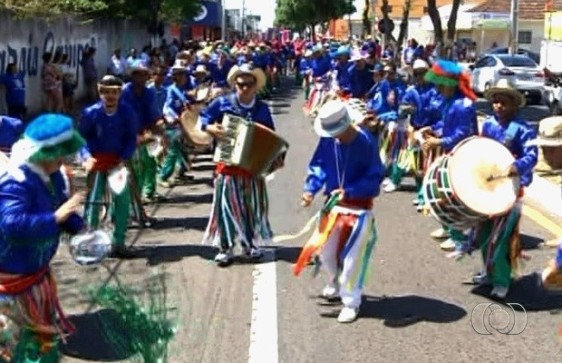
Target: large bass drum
(471, 184)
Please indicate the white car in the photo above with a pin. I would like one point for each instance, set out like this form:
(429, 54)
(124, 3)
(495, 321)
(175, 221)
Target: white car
(522, 72)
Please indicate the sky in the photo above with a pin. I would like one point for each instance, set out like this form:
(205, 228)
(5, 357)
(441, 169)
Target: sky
(266, 9)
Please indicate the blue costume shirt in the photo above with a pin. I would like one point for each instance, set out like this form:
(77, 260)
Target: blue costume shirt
(109, 134)
(458, 121)
(29, 234)
(144, 105)
(176, 99)
(361, 81)
(515, 135)
(362, 169)
(342, 76)
(11, 130)
(228, 104)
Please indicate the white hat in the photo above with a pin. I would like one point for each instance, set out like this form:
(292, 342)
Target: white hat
(504, 87)
(420, 64)
(201, 69)
(357, 54)
(308, 53)
(178, 67)
(247, 68)
(550, 132)
(332, 120)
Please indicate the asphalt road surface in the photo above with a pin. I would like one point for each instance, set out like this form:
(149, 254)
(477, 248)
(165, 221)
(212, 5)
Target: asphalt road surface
(416, 307)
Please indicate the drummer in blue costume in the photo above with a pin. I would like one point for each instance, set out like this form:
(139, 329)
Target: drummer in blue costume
(341, 66)
(458, 122)
(36, 209)
(420, 100)
(240, 202)
(346, 164)
(10, 131)
(176, 100)
(498, 238)
(360, 75)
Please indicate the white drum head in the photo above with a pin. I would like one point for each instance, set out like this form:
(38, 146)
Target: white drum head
(470, 167)
(4, 161)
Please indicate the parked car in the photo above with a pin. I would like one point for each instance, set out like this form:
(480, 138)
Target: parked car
(534, 56)
(525, 75)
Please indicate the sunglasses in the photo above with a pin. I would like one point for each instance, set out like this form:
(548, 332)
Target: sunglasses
(245, 84)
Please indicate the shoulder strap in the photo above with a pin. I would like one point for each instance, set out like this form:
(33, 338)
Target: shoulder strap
(180, 95)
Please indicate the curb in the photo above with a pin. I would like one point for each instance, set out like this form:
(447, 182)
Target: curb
(546, 194)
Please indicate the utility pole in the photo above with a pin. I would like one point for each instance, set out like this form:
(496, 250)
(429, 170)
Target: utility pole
(243, 18)
(223, 22)
(514, 18)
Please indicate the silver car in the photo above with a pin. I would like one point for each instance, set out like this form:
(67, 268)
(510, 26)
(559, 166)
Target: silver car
(522, 72)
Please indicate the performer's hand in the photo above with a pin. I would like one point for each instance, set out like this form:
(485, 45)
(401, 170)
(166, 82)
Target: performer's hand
(431, 143)
(338, 191)
(424, 130)
(89, 164)
(307, 199)
(217, 130)
(513, 171)
(70, 207)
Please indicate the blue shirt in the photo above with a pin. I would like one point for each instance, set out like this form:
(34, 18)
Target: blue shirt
(458, 121)
(159, 96)
(144, 105)
(29, 233)
(11, 130)
(515, 135)
(219, 75)
(228, 104)
(109, 134)
(320, 66)
(343, 77)
(361, 176)
(176, 99)
(361, 81)
(15, 88)
(426, 99)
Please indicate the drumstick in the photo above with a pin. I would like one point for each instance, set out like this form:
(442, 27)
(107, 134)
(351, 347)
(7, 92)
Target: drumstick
(497, 177)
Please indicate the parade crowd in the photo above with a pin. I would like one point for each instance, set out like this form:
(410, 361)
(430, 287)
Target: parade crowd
(378, 122)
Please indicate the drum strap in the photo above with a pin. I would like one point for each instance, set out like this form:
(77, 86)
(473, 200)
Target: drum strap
(179, 94)
(510, 133)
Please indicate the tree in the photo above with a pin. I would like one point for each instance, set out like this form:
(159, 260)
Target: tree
(386, 19)
(367, 26)
(435, 17)
(300, 14)
(403, 26)
(52, 8)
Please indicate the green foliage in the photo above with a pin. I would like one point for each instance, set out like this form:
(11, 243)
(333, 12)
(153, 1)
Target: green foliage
(52, 8)
(143, 10)
(301, 13)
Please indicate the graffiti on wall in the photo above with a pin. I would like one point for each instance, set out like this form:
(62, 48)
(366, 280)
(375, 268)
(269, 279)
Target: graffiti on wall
(28, 57)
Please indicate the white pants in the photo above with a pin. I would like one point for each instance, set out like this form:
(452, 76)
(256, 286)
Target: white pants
(350, 295)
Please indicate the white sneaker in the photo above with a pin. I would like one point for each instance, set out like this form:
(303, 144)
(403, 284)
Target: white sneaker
(348, 315)
(390, 187)
(223, 258)
(416, 201)
(385, 182)
(330, 291)
(481, 279)
(439, 234)
(500, 292)
(449, 245)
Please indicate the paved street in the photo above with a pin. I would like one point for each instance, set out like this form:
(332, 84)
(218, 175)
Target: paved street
(416, 308)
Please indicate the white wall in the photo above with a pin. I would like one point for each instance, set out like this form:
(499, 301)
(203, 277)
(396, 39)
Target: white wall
(537, 29)
(24, 42)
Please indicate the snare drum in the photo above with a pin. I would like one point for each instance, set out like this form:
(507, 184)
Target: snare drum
(470, 184)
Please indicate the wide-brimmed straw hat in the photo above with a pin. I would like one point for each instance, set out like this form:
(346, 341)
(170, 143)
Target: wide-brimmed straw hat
(201, 69)
(504, 87)
(550, 132)
(247, 68)
(332, 120)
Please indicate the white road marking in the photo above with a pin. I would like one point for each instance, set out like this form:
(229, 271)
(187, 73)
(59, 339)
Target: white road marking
(263, 329)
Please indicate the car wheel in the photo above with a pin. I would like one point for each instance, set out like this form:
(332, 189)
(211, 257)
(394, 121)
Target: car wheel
(555, 108)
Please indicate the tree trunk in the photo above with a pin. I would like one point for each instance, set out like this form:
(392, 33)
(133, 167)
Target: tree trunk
(433, 13)
(313, 33)
(403, 28)
(452, 28)
(384, 10)
(366, 19)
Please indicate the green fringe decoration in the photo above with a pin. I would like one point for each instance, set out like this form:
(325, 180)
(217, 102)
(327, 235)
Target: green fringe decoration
(55, 152)
(431, 77)
(148, 330)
